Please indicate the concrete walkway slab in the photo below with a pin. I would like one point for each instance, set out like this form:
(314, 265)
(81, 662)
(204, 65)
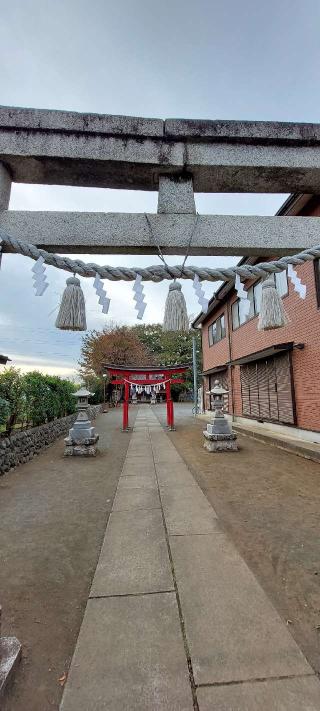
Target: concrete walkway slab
(171, 474)
(134, 556)
(140, 452)
(300, 694)
(233, 631)
(163, 455)
(129, 657)
(136, 499)
(137, 482)
(136, 466)
(145, 628)
(187, 511)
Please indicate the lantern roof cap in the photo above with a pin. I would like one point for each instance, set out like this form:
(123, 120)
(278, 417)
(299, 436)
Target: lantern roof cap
(83, 392)
(218, 389)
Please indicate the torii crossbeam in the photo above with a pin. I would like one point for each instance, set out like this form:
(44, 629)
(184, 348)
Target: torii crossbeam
(173, 156)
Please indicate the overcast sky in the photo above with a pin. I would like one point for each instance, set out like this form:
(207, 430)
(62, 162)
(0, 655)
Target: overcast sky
(177, 58)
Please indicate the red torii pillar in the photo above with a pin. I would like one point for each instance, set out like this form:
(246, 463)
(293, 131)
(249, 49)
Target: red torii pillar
(170, 412)
(127, 376)
(125, 408)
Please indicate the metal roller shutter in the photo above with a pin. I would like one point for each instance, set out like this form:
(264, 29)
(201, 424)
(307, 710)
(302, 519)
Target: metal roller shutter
(284, 388)
(266, 389)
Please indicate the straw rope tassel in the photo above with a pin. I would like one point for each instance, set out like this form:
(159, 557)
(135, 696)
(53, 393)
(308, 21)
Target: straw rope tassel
(72, 312)
(175, 312)
(272, 314)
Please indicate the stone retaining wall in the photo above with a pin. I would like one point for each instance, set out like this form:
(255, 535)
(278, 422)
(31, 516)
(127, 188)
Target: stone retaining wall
(22, 446)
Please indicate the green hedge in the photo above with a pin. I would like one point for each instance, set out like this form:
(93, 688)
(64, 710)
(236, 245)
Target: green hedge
(33, 399)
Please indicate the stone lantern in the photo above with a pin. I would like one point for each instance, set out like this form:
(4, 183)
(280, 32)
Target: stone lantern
(218, 435)
(82, 437)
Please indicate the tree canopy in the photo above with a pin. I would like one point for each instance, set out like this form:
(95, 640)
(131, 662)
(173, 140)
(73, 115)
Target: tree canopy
(144, 344)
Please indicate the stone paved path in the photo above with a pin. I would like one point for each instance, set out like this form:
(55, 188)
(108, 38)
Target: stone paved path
(175, 620)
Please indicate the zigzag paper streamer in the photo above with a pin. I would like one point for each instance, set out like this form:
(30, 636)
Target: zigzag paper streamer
(300, 288)
(40, 283)
(242, 294)
(139, 297)
(104, 301)
(204, 303)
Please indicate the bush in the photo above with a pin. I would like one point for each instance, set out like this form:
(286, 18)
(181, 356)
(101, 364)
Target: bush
(4, 411)
(11, 391)
(34, 398)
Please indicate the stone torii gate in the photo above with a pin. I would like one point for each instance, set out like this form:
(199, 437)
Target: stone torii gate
(174, 157)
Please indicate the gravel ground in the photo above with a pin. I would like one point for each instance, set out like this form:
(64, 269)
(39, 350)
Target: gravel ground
(53, 515)
(269, 502)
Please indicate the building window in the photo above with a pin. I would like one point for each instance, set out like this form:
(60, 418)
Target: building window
(254, 295)
(217, 330)
(235, 315)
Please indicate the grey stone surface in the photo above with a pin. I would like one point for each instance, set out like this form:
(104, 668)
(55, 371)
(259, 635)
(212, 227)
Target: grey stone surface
(301, 694)
(261, 132)
(5, 187)
(74, 121)
(10, 654)
(136, 499)
(123, 233)
(174, 474)
(138, 452)
(220, 445)
(22, 446)
(134, 556)
(131, 152)
(176, 195)
(138, 465)
(233, 631)
(137, 482)
(187, 511)
(129, 657)
(85, 449)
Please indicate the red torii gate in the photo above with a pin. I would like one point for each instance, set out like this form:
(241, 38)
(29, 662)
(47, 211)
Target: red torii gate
(150, 375)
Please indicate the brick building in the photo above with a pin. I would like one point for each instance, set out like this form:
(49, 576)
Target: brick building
(273, 377)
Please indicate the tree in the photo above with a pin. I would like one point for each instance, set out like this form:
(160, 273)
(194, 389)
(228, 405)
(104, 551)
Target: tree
(96, 386)
(4, 411)
(119, 345)
(11, 391)
(145, 344)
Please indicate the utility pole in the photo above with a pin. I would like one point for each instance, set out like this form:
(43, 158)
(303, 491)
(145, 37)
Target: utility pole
(194, 367)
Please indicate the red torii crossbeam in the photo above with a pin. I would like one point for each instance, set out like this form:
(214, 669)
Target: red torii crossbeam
(150, 375)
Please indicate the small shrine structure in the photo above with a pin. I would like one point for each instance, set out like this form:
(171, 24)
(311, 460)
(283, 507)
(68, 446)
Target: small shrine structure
(150, 378)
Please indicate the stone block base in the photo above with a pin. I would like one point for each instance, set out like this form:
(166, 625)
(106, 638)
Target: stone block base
(79, 450)
(220, 443)
(10, 653)
(221, 446)
(84, 448)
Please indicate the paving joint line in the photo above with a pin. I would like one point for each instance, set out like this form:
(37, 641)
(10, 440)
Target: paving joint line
(138, 594)
(182, 624)
(255, 680)
(143, 508)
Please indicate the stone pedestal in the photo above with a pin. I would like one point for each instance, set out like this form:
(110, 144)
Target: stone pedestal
(218, 436)
(220, 442)
(10, 654)
(82, 438)
(81, 448)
